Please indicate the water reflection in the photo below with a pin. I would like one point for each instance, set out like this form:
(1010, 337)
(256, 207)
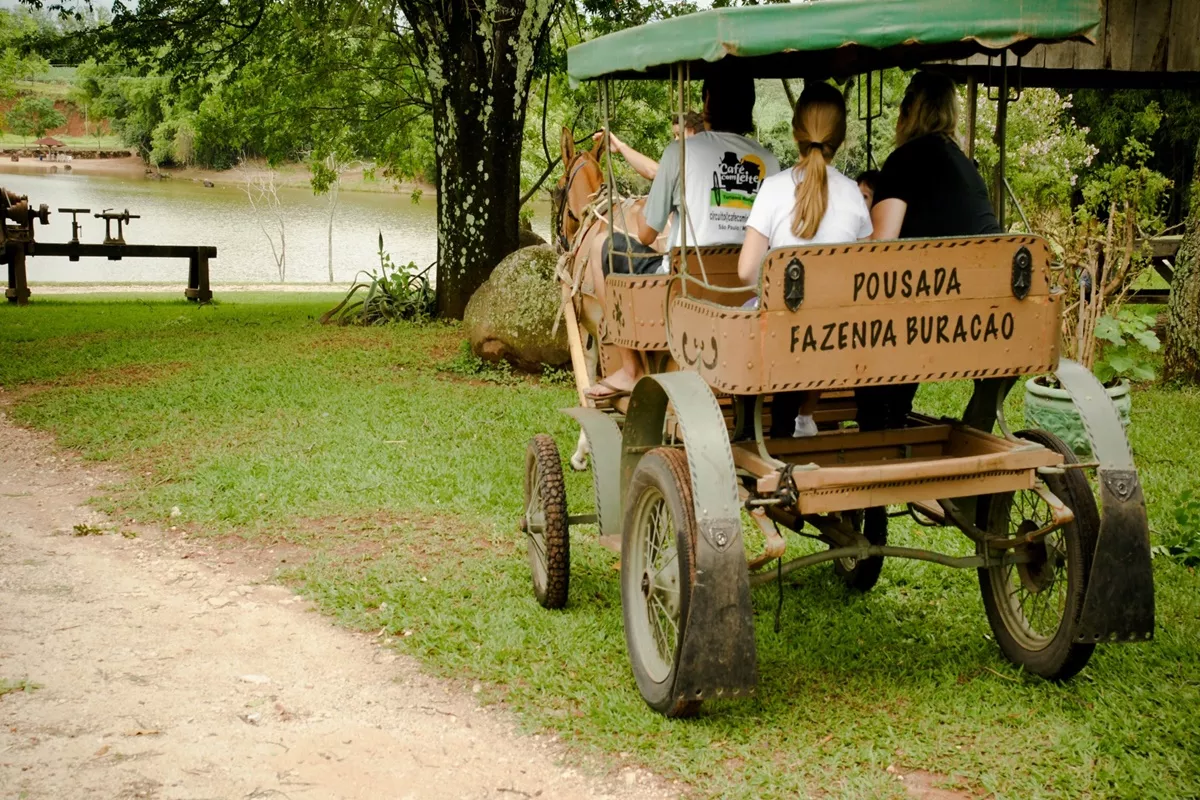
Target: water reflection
(175, 211)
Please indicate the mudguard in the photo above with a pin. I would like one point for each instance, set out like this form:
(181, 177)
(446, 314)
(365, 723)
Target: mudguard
(604, 439)
(718, 656)
(1119, 605)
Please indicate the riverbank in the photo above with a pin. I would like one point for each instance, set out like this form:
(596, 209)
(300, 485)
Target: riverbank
(296, 176)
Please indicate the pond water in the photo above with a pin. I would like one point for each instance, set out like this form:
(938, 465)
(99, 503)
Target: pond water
(176, 211)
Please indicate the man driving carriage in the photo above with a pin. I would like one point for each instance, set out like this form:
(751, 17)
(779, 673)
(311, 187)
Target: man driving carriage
(724, 169)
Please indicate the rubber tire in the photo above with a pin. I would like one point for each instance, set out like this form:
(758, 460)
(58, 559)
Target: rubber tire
(863, 576)
(1063, 657)
(542, 456)
(665, 469)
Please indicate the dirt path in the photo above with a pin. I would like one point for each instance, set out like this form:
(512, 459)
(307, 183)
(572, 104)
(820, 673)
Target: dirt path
(167, 672)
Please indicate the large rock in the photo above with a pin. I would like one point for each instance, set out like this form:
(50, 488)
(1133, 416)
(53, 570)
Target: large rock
(511, 315)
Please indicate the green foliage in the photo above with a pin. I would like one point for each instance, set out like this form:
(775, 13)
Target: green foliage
(1047, 150)
(1182, 543)
(1127, 338)
(34, 115)
(1167, 121)
(17, 62)
(465, 364)
(393, 294)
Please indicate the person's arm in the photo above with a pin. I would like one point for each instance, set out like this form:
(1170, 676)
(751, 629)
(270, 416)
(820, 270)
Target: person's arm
(642, 164)
(662, 197)
(887, 217)
(754, 248)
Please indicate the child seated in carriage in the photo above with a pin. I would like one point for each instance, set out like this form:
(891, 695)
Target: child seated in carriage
(812, 203)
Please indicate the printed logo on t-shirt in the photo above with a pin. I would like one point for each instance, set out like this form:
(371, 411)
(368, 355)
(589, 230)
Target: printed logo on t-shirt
(736, 181)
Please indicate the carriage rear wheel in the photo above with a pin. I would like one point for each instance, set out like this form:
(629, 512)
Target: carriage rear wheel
(657, 574)
(861, 574)
(545, 522)
(1034, 607)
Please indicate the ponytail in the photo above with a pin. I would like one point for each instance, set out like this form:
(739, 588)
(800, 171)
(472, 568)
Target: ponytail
(819, 127)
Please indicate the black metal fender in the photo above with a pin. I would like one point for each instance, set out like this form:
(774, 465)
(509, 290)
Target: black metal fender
(718, 657)
(1119, 605)
(604, 439)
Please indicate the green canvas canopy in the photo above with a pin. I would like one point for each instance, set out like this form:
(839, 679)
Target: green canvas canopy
(830, 38)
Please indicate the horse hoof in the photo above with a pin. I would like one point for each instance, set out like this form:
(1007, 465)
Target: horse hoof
(579, 463)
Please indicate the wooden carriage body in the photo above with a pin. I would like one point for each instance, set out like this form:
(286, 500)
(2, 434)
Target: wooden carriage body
(837, 318)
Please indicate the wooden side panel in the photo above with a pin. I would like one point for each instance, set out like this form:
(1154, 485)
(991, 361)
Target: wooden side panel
(637, 303)
(1060, 56)
(636, 308)
(878, 313)
(1183, 52)
(1118, 34)
(1152, 18)
(1092, 56)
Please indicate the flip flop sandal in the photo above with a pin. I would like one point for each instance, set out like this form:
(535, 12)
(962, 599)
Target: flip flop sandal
(613, 392)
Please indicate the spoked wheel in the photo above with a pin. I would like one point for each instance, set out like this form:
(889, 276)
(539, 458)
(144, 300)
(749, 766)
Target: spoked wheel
(861, 574)
(545, 522)
(657, 573)
(1034, 607)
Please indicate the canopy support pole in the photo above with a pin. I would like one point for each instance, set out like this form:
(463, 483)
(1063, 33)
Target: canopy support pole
(608, 173)
(683, 209)
(999, 200)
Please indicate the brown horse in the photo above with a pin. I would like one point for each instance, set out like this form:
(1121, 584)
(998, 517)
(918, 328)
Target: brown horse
(582, 228)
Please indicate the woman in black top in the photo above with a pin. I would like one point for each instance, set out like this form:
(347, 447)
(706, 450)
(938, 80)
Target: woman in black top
(928, 189)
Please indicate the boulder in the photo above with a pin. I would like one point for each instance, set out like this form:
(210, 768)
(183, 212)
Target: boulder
(527, 238)
(511, 315)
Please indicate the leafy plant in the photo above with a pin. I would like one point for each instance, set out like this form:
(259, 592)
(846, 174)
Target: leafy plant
(394, 293)
(465, 364)
(1120, 357)
(1183, 543)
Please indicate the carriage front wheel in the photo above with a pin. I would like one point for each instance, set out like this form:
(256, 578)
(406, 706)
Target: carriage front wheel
(658, 548)
(545, 522)
(1034, 607)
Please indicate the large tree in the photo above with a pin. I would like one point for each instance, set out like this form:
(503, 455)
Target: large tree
(1182, 356)
(479, 59)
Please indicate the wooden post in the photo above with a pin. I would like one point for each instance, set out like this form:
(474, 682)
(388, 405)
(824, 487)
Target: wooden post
(18, 283)
(578, 363)
(203, 292)
(998, 197)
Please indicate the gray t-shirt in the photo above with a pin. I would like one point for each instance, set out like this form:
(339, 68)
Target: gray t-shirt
(724, 173)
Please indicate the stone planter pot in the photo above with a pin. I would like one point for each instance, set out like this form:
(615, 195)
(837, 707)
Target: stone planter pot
(1052, 410)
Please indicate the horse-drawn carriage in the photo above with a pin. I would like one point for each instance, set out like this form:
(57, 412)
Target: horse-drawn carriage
(684, 468)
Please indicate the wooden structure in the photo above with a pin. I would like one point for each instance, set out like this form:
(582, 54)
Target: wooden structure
(18, 244)
(1146, 44)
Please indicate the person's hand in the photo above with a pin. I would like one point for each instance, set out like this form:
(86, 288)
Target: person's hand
(598, 138)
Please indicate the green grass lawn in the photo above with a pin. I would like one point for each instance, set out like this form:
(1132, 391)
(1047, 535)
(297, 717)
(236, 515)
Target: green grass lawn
(401, 484)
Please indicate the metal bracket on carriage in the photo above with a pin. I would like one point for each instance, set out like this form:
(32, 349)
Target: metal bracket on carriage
(1022, 273)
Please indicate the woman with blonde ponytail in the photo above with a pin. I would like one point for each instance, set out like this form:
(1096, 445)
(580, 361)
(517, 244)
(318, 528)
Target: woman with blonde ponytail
(808, 204)
(812, 202)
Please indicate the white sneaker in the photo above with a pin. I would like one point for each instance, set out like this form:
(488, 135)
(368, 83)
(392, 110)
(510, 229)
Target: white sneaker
(805, 426)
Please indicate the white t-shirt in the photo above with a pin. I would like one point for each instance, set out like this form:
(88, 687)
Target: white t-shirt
(846, 216)
(724, 173)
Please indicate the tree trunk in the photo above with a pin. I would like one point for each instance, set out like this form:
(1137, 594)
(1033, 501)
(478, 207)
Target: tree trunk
(1181, 360)
(479, 62)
